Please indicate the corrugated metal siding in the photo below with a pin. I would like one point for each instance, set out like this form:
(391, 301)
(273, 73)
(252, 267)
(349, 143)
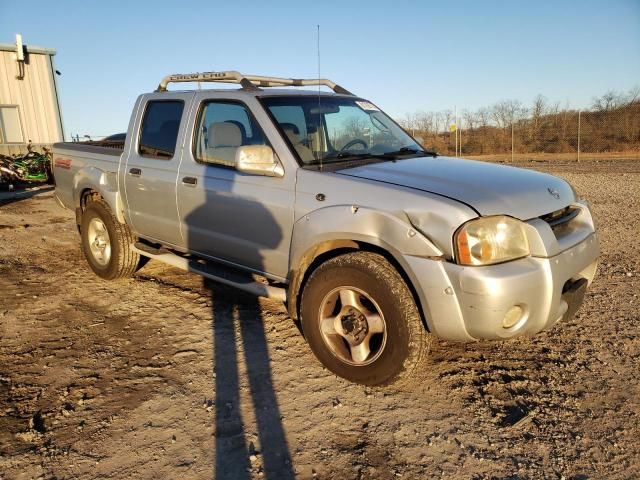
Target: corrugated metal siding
(35, 96)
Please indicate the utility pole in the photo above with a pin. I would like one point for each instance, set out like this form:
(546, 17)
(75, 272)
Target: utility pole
(579, 114)
(511, 141)
(455, 122)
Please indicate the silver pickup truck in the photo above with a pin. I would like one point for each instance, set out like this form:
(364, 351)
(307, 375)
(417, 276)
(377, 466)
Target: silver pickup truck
(321, 200)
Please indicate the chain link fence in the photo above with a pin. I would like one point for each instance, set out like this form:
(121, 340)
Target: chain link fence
(509, 131)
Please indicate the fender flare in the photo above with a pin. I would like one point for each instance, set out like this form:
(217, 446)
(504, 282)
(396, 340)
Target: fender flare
(104, 183)
(352, 227)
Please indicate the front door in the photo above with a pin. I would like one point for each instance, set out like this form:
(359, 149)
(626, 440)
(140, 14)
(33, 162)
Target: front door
(236, 217)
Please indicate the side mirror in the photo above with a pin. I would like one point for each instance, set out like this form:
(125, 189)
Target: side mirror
(258, 160)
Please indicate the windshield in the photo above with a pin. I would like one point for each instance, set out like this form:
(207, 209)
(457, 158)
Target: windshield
(336, 129)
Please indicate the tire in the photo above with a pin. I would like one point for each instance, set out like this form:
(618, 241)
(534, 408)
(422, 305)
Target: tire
(385, 316)
(100, 231)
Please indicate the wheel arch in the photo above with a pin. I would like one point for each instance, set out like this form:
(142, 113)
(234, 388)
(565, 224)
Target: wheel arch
(326, 250)
(361, 228)
(90, 181)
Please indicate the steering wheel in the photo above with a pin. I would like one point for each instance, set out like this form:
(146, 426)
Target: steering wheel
(355, 141)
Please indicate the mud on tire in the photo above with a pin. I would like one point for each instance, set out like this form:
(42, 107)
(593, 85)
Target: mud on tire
(336, 330)
(105, 242)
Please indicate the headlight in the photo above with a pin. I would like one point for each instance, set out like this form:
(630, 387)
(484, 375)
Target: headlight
(489, 240)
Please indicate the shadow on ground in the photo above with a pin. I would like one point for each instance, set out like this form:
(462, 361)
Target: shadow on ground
(239, 336)
(22, 193)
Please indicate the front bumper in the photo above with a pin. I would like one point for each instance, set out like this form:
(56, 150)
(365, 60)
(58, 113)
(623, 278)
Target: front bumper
(470, 303)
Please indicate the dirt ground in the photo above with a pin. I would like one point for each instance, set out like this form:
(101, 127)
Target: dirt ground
(165, 376)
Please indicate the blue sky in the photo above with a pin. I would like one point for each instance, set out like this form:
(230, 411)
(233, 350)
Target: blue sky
(405, 56)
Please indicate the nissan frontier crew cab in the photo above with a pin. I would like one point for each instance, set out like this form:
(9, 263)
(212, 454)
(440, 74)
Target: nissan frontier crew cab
(321, 200)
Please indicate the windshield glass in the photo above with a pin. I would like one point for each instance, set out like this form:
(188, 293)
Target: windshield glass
(334, 129)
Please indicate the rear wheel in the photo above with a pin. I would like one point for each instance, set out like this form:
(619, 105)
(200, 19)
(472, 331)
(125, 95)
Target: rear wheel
(361, 321)
(106, 242)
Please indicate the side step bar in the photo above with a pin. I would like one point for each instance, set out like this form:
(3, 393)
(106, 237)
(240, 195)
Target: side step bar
(255, 288)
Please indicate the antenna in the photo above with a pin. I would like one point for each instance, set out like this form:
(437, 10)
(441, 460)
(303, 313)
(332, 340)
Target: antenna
(318, 38)
(319, 110)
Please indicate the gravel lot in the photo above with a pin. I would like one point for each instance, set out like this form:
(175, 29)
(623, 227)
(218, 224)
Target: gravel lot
(164, 376)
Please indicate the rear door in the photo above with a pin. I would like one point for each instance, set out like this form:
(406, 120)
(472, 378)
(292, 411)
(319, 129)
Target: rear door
(152, 167)
(225, 214)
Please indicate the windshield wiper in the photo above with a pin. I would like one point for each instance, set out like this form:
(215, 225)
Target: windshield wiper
(346, 156)
(409, 150)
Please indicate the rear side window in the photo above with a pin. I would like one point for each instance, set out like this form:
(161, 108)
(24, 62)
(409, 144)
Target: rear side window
(159, 133)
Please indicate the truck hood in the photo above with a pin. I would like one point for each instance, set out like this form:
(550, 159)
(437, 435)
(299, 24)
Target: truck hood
(489, 188)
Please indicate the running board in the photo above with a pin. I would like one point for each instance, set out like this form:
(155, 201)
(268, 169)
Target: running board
(255, 288)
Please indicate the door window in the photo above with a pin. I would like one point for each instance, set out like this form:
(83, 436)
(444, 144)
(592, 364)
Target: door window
(160, 125)
(222, 128)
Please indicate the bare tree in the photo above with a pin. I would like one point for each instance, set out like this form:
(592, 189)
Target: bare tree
(354, 127)
(484, 117)
(470, 119)
(499, 114)
(424, 121)
(538, 112)
(609, 101)
(613, 124)
(447, 117)
(634, 95)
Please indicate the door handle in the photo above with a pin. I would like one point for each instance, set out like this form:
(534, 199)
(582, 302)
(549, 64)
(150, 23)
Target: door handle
(136, 172)
(192, 181)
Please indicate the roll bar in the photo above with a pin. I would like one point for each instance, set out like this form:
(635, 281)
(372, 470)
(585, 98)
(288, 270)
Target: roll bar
(248, 82)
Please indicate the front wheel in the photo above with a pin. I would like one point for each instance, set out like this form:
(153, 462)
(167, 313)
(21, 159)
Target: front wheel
(361, 320)
(106, 242)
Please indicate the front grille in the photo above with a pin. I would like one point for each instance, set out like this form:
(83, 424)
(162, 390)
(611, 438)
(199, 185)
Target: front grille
(560, 218)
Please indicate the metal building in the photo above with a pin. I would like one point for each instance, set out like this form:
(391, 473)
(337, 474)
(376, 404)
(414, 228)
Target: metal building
(29, 102)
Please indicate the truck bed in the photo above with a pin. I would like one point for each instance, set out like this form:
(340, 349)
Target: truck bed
(110, 147)
(71, 161)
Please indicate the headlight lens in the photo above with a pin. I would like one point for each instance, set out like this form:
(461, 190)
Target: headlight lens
(490, 240)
